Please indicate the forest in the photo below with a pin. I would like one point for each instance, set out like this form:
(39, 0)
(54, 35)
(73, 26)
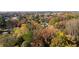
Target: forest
(39, 29)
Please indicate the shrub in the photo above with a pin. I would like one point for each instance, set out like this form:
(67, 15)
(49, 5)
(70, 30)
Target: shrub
(8, 40)
(46, 34)
(72, 27)
(37, 43)
(53, 21)
(25, 44)
(61, 40)
(27, 36)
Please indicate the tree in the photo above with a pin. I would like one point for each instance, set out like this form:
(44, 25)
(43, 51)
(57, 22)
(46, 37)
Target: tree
(2, 22)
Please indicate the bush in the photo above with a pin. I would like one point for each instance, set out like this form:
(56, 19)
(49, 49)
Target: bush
(61, 40)
(37, 43)
(27, 36)
(53, 21)
(72, 27)
(25, 44)
(8, 40)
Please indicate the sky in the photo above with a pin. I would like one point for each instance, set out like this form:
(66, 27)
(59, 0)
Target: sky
(39, 5)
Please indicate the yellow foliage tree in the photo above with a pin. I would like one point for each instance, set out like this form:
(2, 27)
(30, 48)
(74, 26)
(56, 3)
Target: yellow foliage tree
(19, 31)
